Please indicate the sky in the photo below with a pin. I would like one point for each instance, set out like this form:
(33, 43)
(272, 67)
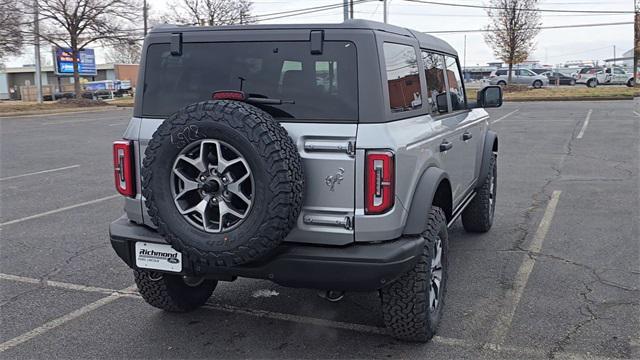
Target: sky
(553, 46)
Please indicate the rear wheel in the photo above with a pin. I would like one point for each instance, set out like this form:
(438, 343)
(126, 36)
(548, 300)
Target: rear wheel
(173, 293)
(412, 305)
(592, 83)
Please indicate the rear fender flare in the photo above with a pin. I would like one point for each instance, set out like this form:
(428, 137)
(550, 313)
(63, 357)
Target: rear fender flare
(422, 200)
(490, 140)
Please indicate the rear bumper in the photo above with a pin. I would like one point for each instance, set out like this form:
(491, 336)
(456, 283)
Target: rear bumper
(357, 267)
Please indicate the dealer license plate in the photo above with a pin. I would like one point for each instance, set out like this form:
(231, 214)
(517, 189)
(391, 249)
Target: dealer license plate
(158, 257)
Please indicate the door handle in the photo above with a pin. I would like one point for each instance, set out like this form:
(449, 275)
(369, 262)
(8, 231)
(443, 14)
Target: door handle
(446, 145)
(466, 136)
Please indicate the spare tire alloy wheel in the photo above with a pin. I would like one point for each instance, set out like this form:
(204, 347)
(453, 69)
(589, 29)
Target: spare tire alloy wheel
(212, 185)
(223, 182)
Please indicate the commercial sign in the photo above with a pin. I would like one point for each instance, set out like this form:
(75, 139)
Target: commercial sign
(63, 60)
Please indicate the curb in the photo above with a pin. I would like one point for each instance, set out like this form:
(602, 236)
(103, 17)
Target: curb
(571, 98)
(56, 111)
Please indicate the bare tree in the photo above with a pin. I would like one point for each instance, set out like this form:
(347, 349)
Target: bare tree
(512, 29)
(209, 12)
(126, 53)
(75, 24)
(11, 36)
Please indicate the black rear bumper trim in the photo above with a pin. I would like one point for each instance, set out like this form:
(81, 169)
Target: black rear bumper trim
(356, 267)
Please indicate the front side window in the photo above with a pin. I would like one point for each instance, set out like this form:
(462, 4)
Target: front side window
(320, 87)
(403, 79)
(434, 68)
(456, 88)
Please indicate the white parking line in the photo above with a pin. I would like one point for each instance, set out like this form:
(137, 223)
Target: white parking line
(77, 121)
(59, 210)
(61, 320)
(505, 116)
(130, 292)
(585, 124)
(514, 294)
(40, 172)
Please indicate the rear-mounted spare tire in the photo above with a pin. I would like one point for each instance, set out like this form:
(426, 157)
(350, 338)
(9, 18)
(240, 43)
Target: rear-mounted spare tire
(223, 183)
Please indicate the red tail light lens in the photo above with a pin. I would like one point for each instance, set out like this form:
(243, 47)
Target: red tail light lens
(229, 95)
(123, 167)
(379, 186)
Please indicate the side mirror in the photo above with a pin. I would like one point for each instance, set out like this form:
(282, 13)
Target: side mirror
(441, 101)
(490, 96)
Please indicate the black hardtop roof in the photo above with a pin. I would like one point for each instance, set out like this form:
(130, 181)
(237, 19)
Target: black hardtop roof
(425, 40)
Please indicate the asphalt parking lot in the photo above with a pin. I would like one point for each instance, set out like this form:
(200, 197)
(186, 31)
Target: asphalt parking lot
(558, 276)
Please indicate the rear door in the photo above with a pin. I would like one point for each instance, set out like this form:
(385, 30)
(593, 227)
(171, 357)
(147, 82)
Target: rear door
(320, 114)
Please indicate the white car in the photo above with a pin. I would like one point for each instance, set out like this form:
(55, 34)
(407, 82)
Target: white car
(593, 77)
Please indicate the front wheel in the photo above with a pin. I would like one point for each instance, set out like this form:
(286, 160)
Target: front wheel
(592, 83)
(537, 84)
(502, 83)
(412, 305)
(631, 83)
(173, 293)
(477, 217)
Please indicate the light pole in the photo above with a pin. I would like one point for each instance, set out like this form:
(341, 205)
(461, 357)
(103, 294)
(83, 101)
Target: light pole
(384, 11)
(36, 35)
(145, 15)
(345, 9)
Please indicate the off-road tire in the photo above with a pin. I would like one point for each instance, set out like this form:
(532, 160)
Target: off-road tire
(477, 217)
(170, 292)
(275, 165)
(592, 83)
(405, 302)
(537, 84)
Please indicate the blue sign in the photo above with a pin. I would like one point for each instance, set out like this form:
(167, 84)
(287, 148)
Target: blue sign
(64, 62)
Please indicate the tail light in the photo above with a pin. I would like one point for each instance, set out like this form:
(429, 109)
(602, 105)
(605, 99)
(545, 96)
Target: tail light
(229, 95)
(123, 167)
(379, 186)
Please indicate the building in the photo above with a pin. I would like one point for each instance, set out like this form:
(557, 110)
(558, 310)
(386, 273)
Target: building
(12, 78)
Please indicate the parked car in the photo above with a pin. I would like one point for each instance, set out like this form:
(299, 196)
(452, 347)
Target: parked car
(594, 76)
(518, 76)
(272, 152)
(559, 78)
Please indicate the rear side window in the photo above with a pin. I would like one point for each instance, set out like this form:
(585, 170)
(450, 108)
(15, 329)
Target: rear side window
(501, 72)
(403, 79)
(456, 88)
(434, 68)
(322, 87)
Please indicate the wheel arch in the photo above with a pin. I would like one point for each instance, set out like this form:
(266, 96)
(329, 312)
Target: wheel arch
(490, 147)
(433, 188)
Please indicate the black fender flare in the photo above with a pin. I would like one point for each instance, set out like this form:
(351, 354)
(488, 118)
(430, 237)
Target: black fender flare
(422, 200)
(490, 139)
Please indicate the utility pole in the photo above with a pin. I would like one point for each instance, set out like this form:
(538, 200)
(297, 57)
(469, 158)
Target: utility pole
(464, 61)
(351, 9)
(345, 9)
(614, 55)
(384, 11)
(145, 15)
(36, 35)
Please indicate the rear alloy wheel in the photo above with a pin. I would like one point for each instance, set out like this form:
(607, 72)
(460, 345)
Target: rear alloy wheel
(412, 305)
(537, 84)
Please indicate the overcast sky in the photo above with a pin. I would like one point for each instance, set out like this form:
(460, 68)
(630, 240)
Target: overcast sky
(553, 45)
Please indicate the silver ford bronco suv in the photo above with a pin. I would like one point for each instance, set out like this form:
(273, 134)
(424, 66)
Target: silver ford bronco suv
(325, 156)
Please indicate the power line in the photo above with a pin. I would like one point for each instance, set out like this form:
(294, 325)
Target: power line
(306, 11)
(539, 27)
(523, 9)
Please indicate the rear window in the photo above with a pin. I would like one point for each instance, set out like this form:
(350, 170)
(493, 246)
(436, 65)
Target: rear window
(323, 87)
